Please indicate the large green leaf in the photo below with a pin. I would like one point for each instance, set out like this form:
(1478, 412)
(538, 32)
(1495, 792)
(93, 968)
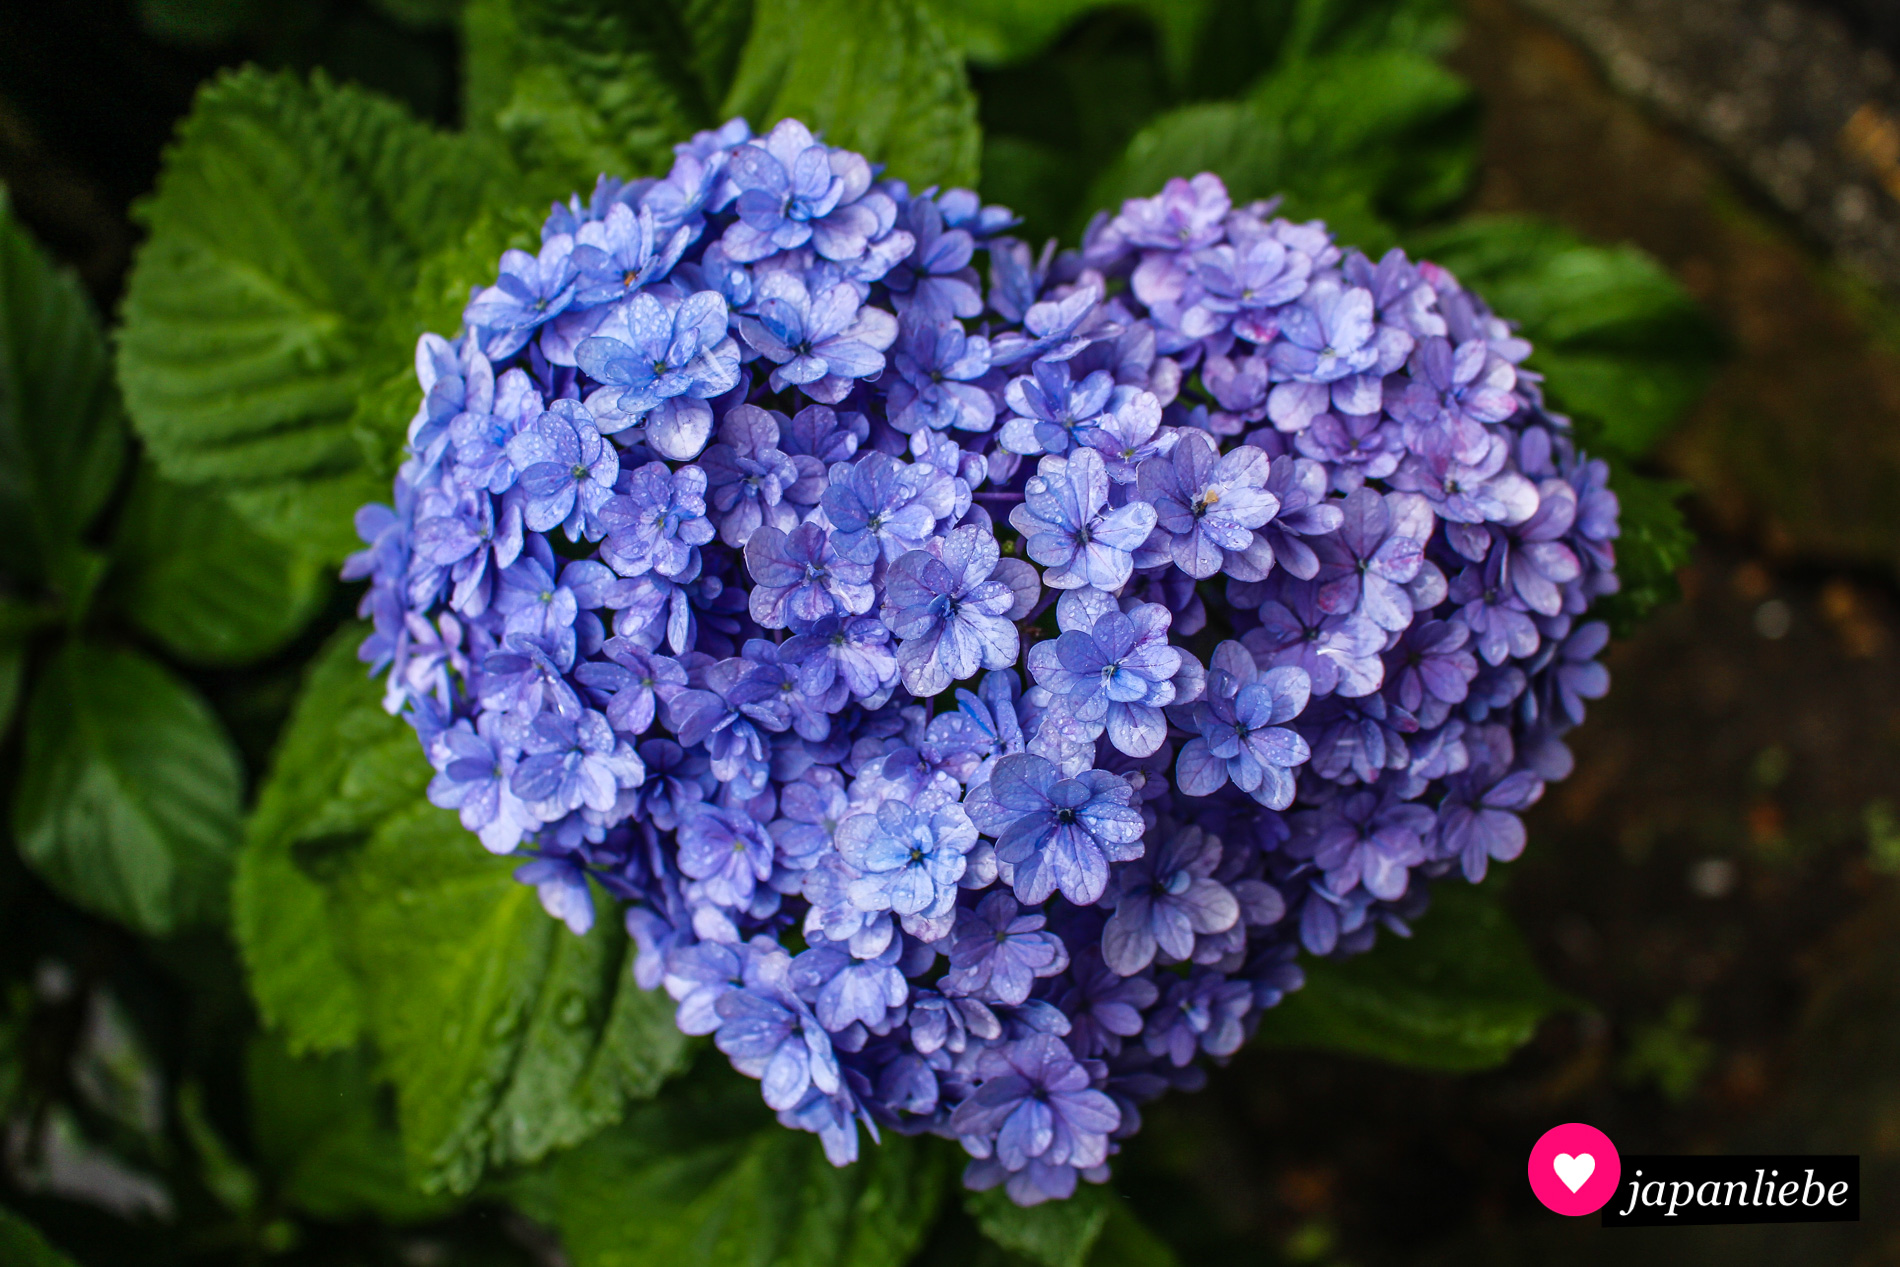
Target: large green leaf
(1654, 547)
(21, 1244)
(703, 1177)
(1053, 1234)
(580, 87)
(506, 1036)
(1461, 994)
(1619, 341)
(589, 86)
(342, 767)
(62, 437)
(363, 911)
(128, 797)
(998, 32)
(876, 75)
(325, 1137)
(274, 287)
(203, 581)
(1126, 1242)
(1357, 138)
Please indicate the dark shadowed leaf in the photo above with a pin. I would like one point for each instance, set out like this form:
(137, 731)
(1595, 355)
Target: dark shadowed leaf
(1359, 139)
(703, 1177)
(1462, 993)
(326, 1135)
(204, 582)
(1655, 545)
(1126, 1242)
(62, 435)
(1053, 1234)
(21, 1244)
(1619, 341)
(128, 797)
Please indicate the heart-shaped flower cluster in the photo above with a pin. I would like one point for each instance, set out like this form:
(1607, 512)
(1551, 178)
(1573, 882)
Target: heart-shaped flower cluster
(976, 697)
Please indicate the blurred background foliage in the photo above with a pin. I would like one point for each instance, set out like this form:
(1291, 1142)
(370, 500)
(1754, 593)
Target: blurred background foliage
(258, 1001)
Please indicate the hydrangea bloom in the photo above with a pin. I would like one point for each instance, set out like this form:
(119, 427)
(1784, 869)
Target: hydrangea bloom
(1049, 666)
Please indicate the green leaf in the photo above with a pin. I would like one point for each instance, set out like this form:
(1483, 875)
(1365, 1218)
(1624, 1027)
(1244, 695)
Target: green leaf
(128, 797)
(327, 1139)
(285, 236)
(205, 583)
(580, 87)
(342, 766)
(875, 76)
(363, 911)
(1655, 545)
(998, 32)
(21, 1244)
(1461, 994)
(224, 1176)
(1620, 343)
(62, 436)
(703, 1177)
(1126, 1242)
(506, 1035)
(1360, 139)
(1054, 1234)
(12, 672)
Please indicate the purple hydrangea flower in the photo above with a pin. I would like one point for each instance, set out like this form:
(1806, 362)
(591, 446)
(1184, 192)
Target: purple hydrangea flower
(911, 861)
(801, 577)
(532, 290)
(1052, 409)
(999, 951)
(1057, 833)
(950, 612)
(653, 354)
(1118, 674)
(793, 190)
(1046, 1120)
(936, 364)
(1207, 505)
(772, 1035)
(474, 767)
(1365, 838)
(879, 506)
(1379, 548)
(818, 341)
(574, 761)
(1072, 532)
(567, 471)
(1478, 820)
(755, 396)
(1239, 731)
(1164, 899)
